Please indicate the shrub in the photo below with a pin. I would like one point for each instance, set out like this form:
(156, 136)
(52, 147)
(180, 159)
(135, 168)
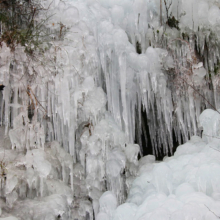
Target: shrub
(18, 24)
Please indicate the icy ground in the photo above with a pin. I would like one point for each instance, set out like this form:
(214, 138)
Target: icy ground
(69, 117)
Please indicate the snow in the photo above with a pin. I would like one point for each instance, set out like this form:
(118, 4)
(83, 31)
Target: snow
(183, 186)
(71, 116)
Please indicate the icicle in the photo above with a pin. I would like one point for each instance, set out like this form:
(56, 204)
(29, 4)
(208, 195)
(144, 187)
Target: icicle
(122, 66)
(41, 186)
(71, 178)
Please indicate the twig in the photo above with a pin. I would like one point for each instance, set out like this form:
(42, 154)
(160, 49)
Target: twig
(211, 210)
(161, 12)
(37, 102)
(214, 148)
(167, 8)
(200, 94)
(211, 136)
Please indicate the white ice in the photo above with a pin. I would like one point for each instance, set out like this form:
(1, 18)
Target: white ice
(103, 64)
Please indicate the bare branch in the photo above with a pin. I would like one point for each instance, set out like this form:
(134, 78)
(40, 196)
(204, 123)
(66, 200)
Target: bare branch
(188, 70)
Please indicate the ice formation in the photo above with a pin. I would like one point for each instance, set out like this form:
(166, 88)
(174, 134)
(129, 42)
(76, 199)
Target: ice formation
(184, 186)
(71, 115)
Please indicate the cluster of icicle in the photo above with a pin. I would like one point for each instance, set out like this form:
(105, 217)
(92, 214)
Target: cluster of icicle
(149, 81)
(100, 41)
(58, 96)
(65, 149)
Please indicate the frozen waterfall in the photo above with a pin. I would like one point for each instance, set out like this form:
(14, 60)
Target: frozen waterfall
(109, 82)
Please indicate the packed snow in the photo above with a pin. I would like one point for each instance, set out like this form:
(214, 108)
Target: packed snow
(72, 117)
